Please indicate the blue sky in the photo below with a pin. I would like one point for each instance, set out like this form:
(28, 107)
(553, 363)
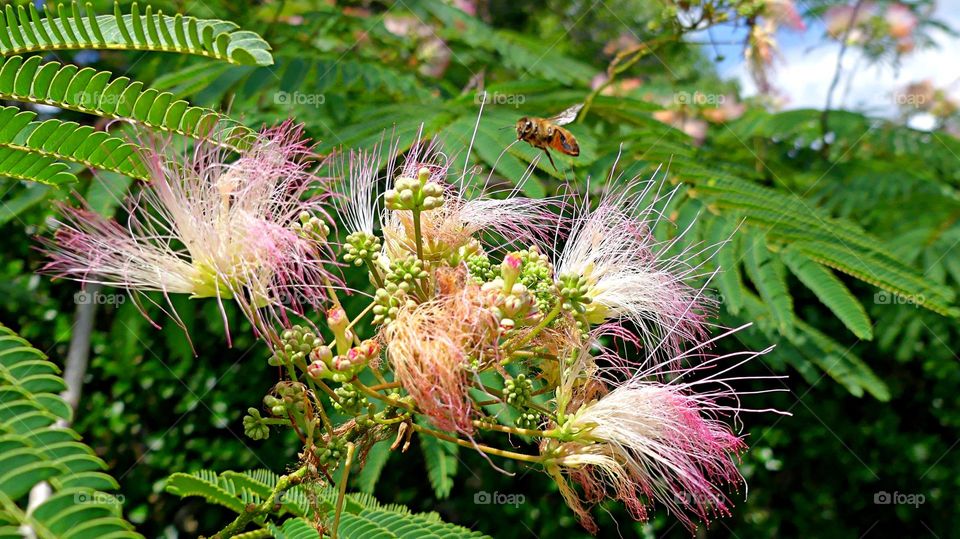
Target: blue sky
(806, 65)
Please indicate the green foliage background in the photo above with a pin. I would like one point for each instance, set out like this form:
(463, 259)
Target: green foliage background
(830, 240)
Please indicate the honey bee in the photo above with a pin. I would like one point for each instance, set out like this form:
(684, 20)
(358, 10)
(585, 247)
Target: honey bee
(546, 133)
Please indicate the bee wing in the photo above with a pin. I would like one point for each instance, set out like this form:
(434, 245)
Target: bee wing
(567, 115)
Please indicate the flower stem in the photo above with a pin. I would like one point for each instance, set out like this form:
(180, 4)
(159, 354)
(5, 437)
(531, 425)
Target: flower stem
(485, 448)
(417, 234)
(387, 385)
(375, 272)
(499, 394)
(251, 511)
(513, 430)
(510, 346)
(371, 393)
(351, 449)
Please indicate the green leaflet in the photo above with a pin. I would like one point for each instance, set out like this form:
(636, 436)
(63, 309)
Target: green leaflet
(832, 292)
(30, 150)
(363, 516)
(377, 458)
(24, 29)
(93, 92)
(34, 449)
(441, 460)
(769, 276)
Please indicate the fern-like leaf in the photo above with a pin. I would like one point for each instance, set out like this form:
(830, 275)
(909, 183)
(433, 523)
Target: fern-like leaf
(96, 92)
(832, 292)
(441, 461)
(34, 448)
(23, 29)
(30, 150)
(769, 275)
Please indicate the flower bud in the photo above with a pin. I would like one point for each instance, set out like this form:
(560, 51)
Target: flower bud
(254, 426)
(423, 175)
(321, 353)
(433, 189)
(317, 369)
(509, 270)
(338, 321)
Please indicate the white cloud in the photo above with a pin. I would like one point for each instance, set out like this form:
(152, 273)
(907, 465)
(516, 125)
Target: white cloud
(807, 65)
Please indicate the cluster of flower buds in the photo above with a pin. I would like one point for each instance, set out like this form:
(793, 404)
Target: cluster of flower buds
(361, 248)
(341, 367)
(290, 398)
(405, 272)
(331, 452)
(351, 402)
(480, 268)
(387, 303)
(415, 194)
(537, 276)
(528, 420)
(575, 294)
(311, 227)
(512, 303)
(296, 344)
(254, 426)
(518, 390)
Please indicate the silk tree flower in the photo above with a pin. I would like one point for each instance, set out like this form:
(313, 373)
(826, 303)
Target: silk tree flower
(612, 269)
(471, 206)
(430, 347)
(647, 441)
(358, 183)
(251, 231)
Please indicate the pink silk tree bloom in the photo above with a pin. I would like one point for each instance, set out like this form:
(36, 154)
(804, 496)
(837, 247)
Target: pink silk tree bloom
(431, 347)
(630, 276)
(250, 231)
(472, 206)
(648, 441)
(651, 442)
(359, 184)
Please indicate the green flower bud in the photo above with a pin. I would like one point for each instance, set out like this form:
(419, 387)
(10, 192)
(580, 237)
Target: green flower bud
(404, 272)
(480, 268)
(517, 392)
(330, 452)
(387, 303)
(416, 194)
(361, 248)
(311, 227)
(296, 344)
(254, 426)
(528, 420)
(352, 402)
(574, 290)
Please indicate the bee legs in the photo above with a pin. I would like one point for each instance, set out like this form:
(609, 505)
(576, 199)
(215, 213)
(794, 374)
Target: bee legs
(550, 157)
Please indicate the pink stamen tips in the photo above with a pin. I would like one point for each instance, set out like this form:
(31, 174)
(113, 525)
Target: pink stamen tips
(209, 226)
(654, 442)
